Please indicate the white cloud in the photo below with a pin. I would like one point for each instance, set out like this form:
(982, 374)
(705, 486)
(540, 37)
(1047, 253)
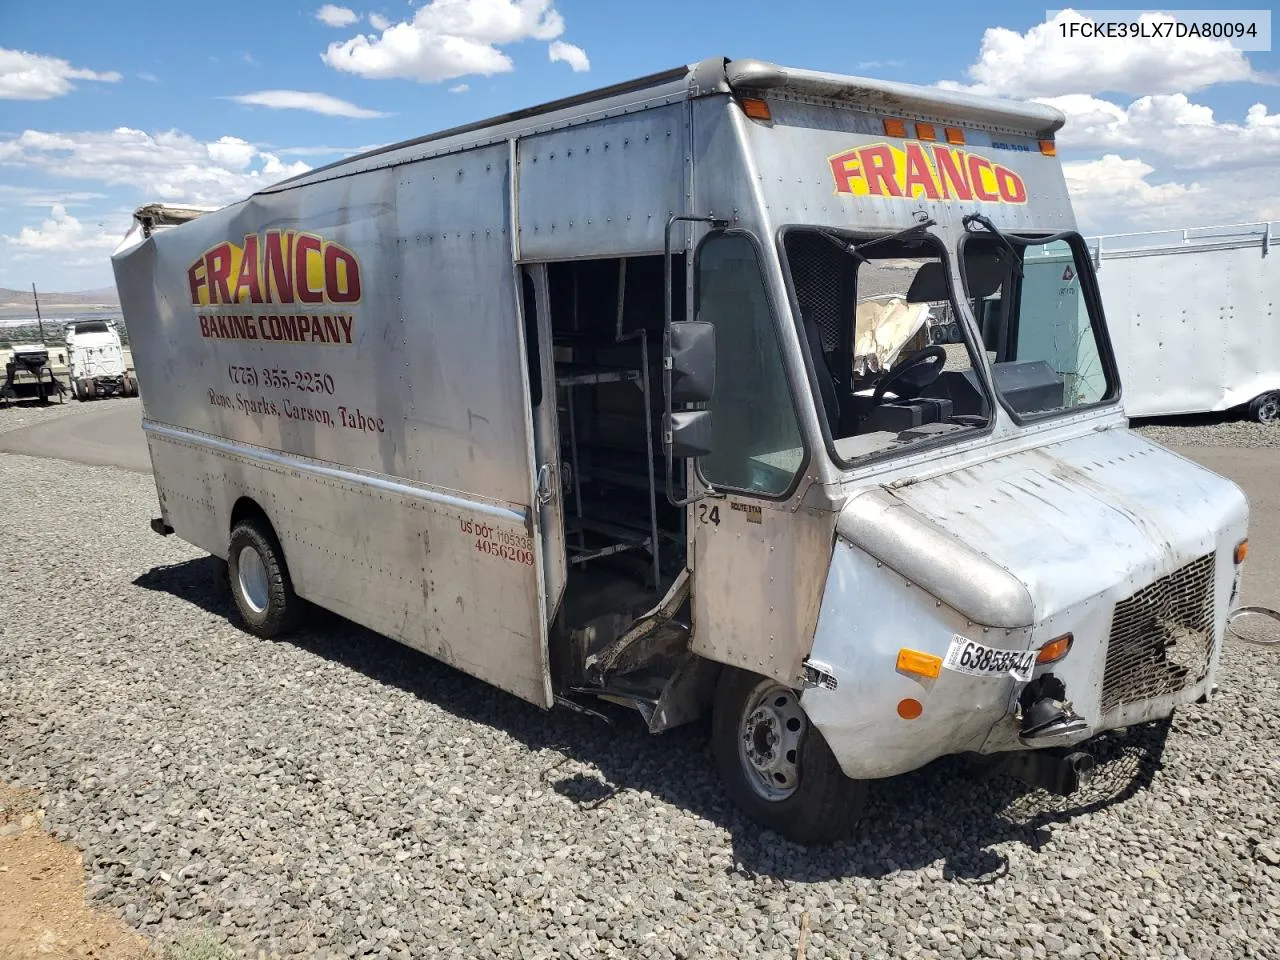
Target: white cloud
(459, 88)
(378, 21)
(149, 77)
(1044, 63)
(232, 153)
(448, 39)
(878, 64)
(1170, 126)
(33, 76)
(38, 197)
(574, 56)
(1115, 194)
(171, 166)
(304, 100)
(332, 15)
(63, 233)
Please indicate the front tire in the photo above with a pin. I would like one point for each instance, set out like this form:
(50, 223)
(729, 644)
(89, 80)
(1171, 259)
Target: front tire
(776, 765)
(1266, 407)
(260, 581)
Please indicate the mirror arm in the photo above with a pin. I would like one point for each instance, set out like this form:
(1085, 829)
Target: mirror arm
(718, 223)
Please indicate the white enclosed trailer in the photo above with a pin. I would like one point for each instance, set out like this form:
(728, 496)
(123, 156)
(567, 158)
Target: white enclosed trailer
(590, 400)
(1195, 318)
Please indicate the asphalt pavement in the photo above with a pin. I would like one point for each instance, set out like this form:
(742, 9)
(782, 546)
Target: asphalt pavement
(105, 433)
(1254, 469)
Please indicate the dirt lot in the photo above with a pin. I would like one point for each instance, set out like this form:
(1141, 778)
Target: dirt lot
(43, 914)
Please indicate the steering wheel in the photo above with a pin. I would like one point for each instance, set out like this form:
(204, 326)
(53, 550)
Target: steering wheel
(913, 374)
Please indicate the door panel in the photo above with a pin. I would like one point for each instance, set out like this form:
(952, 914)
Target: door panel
(759, 562)
(546, 438)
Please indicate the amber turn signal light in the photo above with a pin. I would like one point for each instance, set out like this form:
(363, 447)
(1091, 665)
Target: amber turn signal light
(893, 127)
(755, 108)
(1048, 148)
(1055, 649)
(920, 664)
(1242, 551)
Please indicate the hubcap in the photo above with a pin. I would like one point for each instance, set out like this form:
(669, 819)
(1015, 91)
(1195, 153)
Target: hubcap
(1269, 411)
(253, 579)
(769, 737)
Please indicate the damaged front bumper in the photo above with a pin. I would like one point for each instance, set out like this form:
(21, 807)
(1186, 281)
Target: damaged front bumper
(1139, 567)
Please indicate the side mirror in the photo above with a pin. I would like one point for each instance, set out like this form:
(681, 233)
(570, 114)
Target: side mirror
(693, 361)
(687, 433)
(688, 373)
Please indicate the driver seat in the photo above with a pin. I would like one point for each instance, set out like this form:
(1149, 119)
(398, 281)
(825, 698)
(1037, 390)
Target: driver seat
(827, 390)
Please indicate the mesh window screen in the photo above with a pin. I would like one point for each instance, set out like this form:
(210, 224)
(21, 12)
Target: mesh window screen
(817, 268)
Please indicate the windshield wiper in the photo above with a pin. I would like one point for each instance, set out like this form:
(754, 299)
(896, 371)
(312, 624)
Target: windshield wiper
(985, 222)
(855, 249)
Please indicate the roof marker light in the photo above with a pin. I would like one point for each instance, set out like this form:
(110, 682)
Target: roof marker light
(1048, 148)
(954, 135)
(926, 131)
(755, 108)
(893, 127)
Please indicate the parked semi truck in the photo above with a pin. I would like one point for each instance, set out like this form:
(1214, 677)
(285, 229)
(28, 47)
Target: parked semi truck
(96, 363)
(1195, 318)
(599, 399)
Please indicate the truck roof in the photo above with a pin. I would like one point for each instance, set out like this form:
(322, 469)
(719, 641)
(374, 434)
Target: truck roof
(716, 75)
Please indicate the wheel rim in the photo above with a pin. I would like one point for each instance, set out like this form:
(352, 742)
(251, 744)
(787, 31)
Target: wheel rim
(770, 732)
(1269, 409)
(252, 574)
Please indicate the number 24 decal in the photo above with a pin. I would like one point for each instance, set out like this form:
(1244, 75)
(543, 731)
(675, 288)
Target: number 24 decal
(711, 515)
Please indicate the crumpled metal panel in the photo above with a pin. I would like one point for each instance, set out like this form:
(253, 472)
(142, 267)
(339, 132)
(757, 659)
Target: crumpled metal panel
(1080, 517)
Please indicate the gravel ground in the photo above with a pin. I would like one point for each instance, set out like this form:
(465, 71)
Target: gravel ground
(1209, 431)
(339, 795)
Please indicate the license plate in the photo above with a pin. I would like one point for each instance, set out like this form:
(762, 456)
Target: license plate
(978, 660)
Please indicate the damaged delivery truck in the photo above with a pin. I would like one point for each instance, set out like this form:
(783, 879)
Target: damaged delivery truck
(631, 396)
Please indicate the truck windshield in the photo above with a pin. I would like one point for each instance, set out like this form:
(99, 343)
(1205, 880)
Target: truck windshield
(1039, 329)
(890, 364)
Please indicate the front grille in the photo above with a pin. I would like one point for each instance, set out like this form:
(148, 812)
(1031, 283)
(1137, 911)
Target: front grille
(1161, 637)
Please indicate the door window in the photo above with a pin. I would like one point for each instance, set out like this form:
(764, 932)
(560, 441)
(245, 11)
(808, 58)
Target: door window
(757, 444)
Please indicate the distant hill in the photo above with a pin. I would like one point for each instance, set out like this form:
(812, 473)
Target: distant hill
(77, 298)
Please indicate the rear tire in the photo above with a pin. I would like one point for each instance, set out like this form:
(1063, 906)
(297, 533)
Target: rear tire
(776, 765)
(1265, 408)
(128, 386)
(75, 390)
(260, 581)
(90, 388)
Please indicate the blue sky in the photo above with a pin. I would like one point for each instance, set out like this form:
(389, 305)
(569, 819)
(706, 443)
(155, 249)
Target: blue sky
(99, 113)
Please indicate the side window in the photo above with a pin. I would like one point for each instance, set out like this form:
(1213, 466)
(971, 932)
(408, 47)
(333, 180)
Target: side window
(757, 444)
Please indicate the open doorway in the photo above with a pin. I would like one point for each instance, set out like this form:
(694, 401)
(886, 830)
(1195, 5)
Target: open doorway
(624, 543)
